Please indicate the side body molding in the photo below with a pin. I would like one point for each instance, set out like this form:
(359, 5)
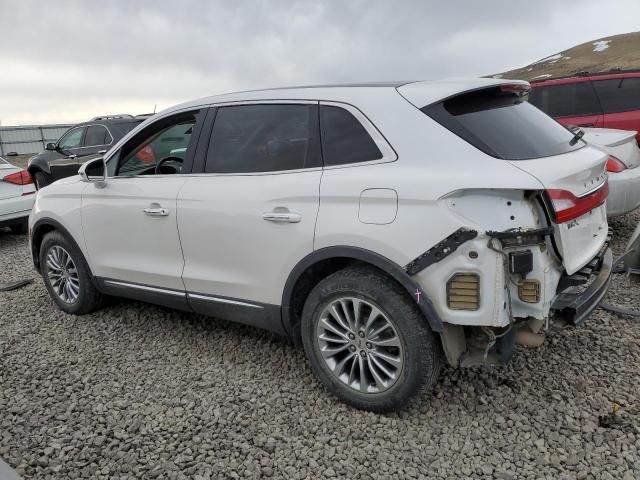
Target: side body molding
(355, 253)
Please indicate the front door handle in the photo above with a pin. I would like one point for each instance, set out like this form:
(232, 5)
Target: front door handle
(282, 217)
(72, 156)
(156, 211)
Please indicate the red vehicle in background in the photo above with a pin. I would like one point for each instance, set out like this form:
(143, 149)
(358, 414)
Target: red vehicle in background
(602, 100)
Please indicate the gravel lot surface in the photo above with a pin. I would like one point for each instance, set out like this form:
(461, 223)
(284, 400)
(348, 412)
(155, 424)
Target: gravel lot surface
(137, 391)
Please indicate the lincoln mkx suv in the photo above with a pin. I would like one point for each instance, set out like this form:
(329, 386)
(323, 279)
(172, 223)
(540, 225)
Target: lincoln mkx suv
(387, 228)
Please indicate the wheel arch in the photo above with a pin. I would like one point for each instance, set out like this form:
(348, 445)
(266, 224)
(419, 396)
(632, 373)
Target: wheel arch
(325, 261)
(38, 165)
(39, 230)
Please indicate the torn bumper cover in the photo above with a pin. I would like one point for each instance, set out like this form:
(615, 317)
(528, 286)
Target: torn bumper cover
(581, 293)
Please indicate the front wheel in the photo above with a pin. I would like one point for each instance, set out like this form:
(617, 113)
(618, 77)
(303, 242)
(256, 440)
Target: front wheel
(66, 275)
(367, 341)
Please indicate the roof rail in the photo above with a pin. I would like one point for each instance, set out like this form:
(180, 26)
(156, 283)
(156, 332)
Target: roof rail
(586, 73)
(111, 117)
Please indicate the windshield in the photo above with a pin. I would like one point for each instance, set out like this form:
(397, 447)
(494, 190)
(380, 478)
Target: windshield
(503, 124)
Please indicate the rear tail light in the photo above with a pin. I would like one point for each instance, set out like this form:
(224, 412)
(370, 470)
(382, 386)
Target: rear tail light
(614, 165)
(463, 292)
(566, 206)
(19, 178)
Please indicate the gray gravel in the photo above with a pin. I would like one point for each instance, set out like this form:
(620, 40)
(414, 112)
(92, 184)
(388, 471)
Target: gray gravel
(139, 391)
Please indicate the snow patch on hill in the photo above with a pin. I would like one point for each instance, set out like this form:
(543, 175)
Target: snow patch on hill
(601, 45)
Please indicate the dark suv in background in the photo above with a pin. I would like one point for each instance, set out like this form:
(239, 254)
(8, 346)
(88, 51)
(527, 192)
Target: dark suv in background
(602, 100)
(79, 144)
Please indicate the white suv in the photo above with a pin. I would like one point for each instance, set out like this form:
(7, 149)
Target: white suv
(386, 227)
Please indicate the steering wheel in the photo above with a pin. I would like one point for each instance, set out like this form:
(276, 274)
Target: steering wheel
(160, 165)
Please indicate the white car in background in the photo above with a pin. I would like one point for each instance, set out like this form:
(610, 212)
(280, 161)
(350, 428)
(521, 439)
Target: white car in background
(385, 227)
(17, 194)
(622, 165)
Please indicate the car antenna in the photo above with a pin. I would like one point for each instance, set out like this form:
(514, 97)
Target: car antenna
(576, 136)
(154, 108)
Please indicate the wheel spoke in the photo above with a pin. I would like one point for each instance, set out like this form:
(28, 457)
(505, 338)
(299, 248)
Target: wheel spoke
(391, 359)
(348, 314)
(380, 383)
(379, 364)
(375, 313)
(386, 342)
(327, 325)
(336, 314)
(363, 375)
(331, 352)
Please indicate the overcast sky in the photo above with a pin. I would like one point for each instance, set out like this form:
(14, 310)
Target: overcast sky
(66, 61)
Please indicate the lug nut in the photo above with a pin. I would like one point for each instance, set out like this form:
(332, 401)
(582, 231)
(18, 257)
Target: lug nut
(363, 353)
(361, 334)
(352, 336)
(352, 348)
(369, 346)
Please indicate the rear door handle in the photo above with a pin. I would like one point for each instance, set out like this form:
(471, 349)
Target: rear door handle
(282, 217)
(156, 211)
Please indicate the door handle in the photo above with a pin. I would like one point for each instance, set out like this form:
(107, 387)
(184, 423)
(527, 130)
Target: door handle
(72, 156)
(156, 211)
(282, 217)
(100, 152)
(586, 125)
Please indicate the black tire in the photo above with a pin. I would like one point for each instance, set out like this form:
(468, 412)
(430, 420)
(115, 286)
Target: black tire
(41, 179)
(20, 228)
(421, 349)
(88, 298)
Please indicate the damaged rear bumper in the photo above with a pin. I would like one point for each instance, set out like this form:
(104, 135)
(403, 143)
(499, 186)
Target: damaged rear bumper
(575, 302)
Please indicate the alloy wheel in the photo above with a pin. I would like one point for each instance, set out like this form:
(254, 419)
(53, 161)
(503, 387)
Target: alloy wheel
(63, 274)
(360, 344)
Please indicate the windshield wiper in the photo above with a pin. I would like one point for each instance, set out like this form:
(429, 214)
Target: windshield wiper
(576, 136)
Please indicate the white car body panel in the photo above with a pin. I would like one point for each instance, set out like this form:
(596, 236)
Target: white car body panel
(229, 249)
(16, 201)
(126, 244)
(624, 187)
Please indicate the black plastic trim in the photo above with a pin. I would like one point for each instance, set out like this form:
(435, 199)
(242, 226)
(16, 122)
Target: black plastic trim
(35, 252)
(355, 253)
(577, 306)
(441, 250)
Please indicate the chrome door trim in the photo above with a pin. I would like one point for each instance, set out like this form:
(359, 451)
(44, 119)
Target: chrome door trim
(116, 283)
(197, 296)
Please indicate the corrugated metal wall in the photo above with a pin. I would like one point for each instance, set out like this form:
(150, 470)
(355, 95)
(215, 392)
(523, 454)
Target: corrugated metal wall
(29, 139)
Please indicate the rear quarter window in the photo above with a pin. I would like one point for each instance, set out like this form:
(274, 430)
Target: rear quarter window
(502, 124)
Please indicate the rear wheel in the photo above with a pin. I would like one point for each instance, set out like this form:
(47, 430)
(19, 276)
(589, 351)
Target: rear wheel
(66, 275)
(42, 180)
(20, 228)
(367, 341)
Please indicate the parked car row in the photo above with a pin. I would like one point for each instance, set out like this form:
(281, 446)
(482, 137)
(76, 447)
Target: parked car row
(16, 196)
(388, 228)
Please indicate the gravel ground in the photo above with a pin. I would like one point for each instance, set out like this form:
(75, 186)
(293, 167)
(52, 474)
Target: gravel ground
(139, 391)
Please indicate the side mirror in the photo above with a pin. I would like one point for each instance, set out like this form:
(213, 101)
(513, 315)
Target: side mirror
(50, 146)
(93, 171)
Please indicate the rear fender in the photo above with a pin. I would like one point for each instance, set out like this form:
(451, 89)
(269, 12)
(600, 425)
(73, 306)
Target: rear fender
(38, 164)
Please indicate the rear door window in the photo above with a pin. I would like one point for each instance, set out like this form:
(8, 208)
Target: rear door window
(96, 135)
(501, 123)
(264, 138)
(344, 138)
(619, 95)
(566, 100)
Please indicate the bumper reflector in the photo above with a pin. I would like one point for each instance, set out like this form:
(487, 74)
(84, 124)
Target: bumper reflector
(529, 291)
(463, 292)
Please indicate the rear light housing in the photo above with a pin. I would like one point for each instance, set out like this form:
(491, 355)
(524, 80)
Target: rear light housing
(566, 206)
(614, 165)
(19, 178)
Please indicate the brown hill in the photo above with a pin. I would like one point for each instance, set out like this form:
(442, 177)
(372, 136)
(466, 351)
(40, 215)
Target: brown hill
(605, 54)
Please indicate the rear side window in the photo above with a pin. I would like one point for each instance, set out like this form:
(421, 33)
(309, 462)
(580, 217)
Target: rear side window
(264, 138)
(618, 95)
(96, 135)
(567, 100)
(344, 139)
(502, 124)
